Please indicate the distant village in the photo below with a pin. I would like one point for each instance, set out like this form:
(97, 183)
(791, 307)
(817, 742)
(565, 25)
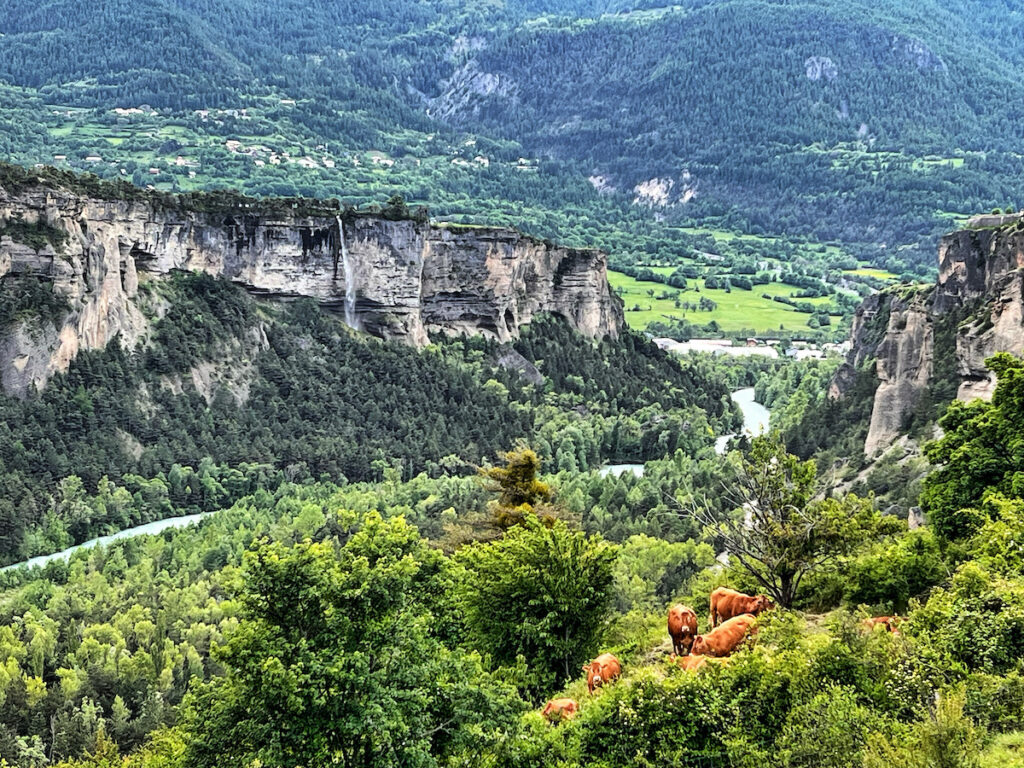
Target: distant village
(771, 348)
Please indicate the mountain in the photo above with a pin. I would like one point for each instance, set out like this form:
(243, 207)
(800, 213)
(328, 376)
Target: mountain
(392, 274)
(590, 122)
(927, 345)
(237, 340)
(833, 119)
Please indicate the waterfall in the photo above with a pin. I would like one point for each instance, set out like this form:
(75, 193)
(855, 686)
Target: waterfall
(351, 320)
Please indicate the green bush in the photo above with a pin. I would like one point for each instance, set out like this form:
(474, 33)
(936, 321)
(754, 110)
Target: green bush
(975, 624)
(829, 731)
(888, 576)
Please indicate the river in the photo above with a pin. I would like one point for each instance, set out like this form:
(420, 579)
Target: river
(755, 417)
(148, 528)
(755, 422)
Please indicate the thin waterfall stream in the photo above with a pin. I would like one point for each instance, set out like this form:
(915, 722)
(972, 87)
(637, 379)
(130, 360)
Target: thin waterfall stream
(351, 319)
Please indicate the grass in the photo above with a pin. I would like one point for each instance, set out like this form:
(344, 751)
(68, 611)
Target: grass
(881, 274)
(1006, 751)
(737, 310)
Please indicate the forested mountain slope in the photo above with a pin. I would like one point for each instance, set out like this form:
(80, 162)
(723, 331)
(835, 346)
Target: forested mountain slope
(225, 395)
(793, 112)
(828, 120)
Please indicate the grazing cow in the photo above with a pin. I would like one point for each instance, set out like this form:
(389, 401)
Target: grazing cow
(560, 709)
(601, 670)
(693, 662)
(728, 603)
(682, 627)
(725, 638)
(889, 622)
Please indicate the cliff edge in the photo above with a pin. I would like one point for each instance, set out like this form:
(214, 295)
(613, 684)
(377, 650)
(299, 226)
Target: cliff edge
(395, 278)
(928, 344)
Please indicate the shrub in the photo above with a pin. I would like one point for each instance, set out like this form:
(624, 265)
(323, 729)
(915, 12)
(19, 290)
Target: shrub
(830, 731)
(888, 576)
(946, 739)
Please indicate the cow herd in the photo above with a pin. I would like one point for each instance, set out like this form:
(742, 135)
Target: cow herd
(732, 619)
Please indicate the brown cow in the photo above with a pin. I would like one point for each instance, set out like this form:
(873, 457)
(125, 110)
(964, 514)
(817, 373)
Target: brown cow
(725, 638)
(728, 603)
(889, 622)
(694, 662)
(601, 670)
(682, 626)
(560, 709)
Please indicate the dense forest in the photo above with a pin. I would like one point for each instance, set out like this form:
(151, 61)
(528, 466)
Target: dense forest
(231, 395)
(236, 640)
(914, 124)
(473, 553)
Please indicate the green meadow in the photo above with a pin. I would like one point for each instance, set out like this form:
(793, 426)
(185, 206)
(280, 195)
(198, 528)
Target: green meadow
(737, 309)
(880, 274)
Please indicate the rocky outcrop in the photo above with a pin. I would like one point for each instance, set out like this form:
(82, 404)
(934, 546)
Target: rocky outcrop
(397, 279)
(904, 369)
(936, 340)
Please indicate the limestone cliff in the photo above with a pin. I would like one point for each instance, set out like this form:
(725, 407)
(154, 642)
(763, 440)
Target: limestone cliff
(932, 342)
(397, 279)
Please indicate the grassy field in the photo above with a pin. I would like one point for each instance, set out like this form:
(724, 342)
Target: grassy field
(737, 310)
(881, 274)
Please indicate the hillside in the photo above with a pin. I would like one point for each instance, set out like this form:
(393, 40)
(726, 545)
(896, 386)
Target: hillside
(767, 108)
(307, 582)
(908, 112)
(533, 383)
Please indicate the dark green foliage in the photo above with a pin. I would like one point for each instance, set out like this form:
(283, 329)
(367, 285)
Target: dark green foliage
(889, 576)
(837, 425)
(620, 376)
(29, 298)
(344, 635)
(981, 451)
(36, 236)
(542, 593)
(624, 116)
(911, 121)
(207, 316)
(292, 393)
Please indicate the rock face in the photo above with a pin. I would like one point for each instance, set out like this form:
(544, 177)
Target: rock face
(924, 339)
(394, 279)
(904, 369)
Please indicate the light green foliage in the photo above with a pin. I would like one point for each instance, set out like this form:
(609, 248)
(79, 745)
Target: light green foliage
(1006, 751)
(346, 636)
(889, 575)
(947, 739)
(801, 698)
(779, 532)
(542, 593)
(999, 542)
(977, 623)
(649, 572)
(790, 389)
(517, 486)
(735, 311)
(829, 731)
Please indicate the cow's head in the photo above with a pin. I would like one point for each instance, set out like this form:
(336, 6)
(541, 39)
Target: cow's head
(687, 641)
(763, 603)
(699, 646)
